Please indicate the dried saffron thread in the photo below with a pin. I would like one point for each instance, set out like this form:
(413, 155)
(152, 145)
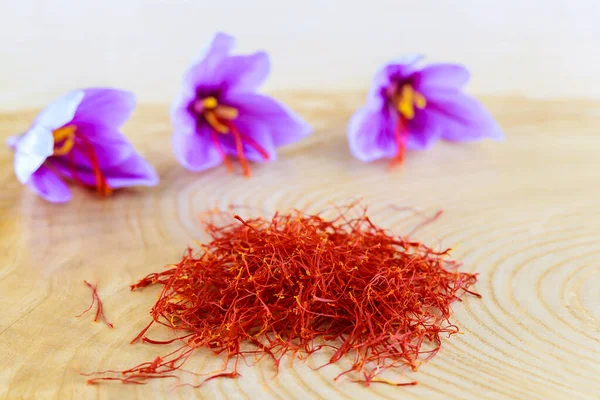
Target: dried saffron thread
(99, 307)
(301, 284)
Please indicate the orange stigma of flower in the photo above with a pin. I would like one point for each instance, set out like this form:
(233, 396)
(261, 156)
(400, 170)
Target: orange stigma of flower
(220, 118)
(64, 141)
(404, 100)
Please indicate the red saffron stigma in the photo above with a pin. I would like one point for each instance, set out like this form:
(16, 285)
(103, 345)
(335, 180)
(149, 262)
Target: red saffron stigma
(217, 144)
(102, 186)
(400, 137)
(100, 183)
(239, 147)
(99, 307)
(298, 284)
(240, 139)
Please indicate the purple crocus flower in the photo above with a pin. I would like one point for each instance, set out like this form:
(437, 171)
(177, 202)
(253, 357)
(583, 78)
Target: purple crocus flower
(77, 137)
(412, 106)
(219, 114)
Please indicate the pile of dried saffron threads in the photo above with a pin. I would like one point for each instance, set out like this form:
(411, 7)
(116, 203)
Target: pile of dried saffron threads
(301, 283)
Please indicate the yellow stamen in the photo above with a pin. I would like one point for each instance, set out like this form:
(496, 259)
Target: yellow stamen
(226, 112)
(408, 99)
(210, 102)
(216, 114)
(66, 135)
(213, 121)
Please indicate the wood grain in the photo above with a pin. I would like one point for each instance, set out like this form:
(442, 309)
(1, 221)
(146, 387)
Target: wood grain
(522, 213)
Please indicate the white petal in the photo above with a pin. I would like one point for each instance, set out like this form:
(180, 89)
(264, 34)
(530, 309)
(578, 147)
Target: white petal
(31, 152)
(12, 141)
(61, 111)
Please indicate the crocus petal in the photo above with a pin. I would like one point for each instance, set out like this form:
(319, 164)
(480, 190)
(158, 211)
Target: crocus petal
(424, 130)
(284, 125)
(371, 134)
(464, 118)
(246, 73)
(255, 130)
(110, 146)
(441, 76)
(105, 106)
(181, 118)
(12, 141)
(61, 111)
(207, 74)
(197, 151)
(401, 67)
(31, 152)
(207, 71)
(48, 185)
(134, 171)
(398, 68)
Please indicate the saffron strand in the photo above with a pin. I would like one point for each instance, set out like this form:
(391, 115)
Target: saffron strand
(101, 184)
(219, 147)
(99, 307)
(252, 143)
(400, 137)
(239, 147)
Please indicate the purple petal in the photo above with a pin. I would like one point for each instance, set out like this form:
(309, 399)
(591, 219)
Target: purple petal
(254, 130)
(47, 184)
(245, 73)
(32, 150)
(424, 130)
(441, 76)
(181, 118)
(284, 125)
(133, 171)
(396, 69)
(196, 152)
(207, 71)
(110, 146)
(371, 134)
(105, 106)
(462, 117)
(403, 66)
(60, 112)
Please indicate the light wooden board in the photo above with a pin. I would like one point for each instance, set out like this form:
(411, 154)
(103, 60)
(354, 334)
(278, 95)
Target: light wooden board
(524, 214)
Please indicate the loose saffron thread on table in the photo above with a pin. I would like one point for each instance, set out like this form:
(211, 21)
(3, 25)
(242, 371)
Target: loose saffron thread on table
(99, 307)
(300, 284)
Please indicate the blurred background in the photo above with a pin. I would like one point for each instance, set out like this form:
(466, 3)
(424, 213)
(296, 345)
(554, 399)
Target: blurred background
(534, 48)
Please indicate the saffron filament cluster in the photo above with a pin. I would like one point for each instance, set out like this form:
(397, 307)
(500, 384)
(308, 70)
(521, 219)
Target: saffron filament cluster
(300, 284)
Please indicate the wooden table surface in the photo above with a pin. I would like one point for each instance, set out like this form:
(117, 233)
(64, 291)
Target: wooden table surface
(524, 214)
